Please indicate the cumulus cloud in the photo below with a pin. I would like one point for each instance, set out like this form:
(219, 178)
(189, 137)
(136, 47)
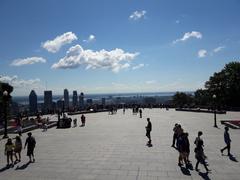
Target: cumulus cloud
(137, 66)
(188, 35)
(202, 53)
(114, 60)
(137, 15)
(19, 83)
(28, 61)
(91, 38)
(220, 48)
(55, 44)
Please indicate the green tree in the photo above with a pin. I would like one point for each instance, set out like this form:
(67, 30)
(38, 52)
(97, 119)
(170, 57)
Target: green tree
(226, 85)
(202, 97)
(181, 99)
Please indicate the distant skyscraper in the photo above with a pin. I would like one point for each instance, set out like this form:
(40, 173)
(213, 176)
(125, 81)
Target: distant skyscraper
(81, 100)
(103, 101)
(75, 99)
(33, 102)
(48, 100)
(66, 99)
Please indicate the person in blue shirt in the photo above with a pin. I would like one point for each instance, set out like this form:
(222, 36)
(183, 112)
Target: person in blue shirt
(227, 140)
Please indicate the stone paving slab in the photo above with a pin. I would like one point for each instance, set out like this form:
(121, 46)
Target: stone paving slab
(113, 147)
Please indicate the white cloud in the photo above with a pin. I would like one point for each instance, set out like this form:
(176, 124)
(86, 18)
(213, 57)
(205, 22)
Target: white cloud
(188, 35)
(151, 82)
(114, 60)
(91, 38)
(20, 83)
(137, 15)
(177, 21)
(137, 66)
(202, 53)
(220, 48)
(55, 44)
(28, 61)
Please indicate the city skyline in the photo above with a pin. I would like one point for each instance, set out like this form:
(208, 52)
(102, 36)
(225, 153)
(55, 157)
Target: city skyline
(115, 46)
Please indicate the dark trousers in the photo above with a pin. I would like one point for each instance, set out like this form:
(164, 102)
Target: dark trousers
(228, 147)
(149, 136)
(203, 162)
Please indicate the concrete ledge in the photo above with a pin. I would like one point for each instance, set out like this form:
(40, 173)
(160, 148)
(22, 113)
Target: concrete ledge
(200, 110)
(86, 112)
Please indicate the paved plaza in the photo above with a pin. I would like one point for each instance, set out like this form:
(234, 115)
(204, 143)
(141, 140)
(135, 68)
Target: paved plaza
(112, 147)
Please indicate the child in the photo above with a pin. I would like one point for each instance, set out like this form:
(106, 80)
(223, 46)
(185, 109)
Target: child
(9, 147)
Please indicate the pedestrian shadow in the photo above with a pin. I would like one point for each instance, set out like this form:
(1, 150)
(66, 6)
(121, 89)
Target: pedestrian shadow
(232, 158)
(24, 166)
(204, 175)
(189, 166)
(185, 171)
(4, 168)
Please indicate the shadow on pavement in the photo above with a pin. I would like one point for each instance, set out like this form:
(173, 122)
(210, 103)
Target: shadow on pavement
(4, 168)
(24, 166)
(232, 158)
(204, 175)
(185, 171)
(189, 166)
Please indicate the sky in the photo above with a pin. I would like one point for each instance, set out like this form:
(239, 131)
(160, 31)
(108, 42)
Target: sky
(113, 46)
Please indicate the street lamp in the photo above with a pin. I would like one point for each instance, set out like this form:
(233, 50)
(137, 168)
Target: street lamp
(214, 104)
(5, 103)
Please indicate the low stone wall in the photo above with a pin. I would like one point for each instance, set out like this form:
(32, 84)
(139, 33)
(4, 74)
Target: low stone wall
(200, 110)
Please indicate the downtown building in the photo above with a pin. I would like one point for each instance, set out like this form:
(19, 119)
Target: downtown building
(75, 100)
(33, 106)
(66, 99)
(81, 101)
(48, 104)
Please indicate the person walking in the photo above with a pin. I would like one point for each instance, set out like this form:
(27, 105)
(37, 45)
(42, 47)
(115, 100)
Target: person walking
(9, 147)
(227, 140)
(30, 143)
(200, 156)
(148, 132)
(18, 149)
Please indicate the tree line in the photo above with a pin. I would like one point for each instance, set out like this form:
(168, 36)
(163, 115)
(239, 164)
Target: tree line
(221, 91)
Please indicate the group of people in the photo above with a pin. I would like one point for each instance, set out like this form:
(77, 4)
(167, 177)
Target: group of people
(181, 143)
(15, 149)
(83, 121)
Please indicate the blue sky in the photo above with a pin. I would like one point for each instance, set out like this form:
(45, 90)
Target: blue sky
(107, 46)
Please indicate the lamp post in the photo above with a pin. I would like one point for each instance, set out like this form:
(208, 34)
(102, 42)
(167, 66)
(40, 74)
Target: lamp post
(214, 104)
(5, 103)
